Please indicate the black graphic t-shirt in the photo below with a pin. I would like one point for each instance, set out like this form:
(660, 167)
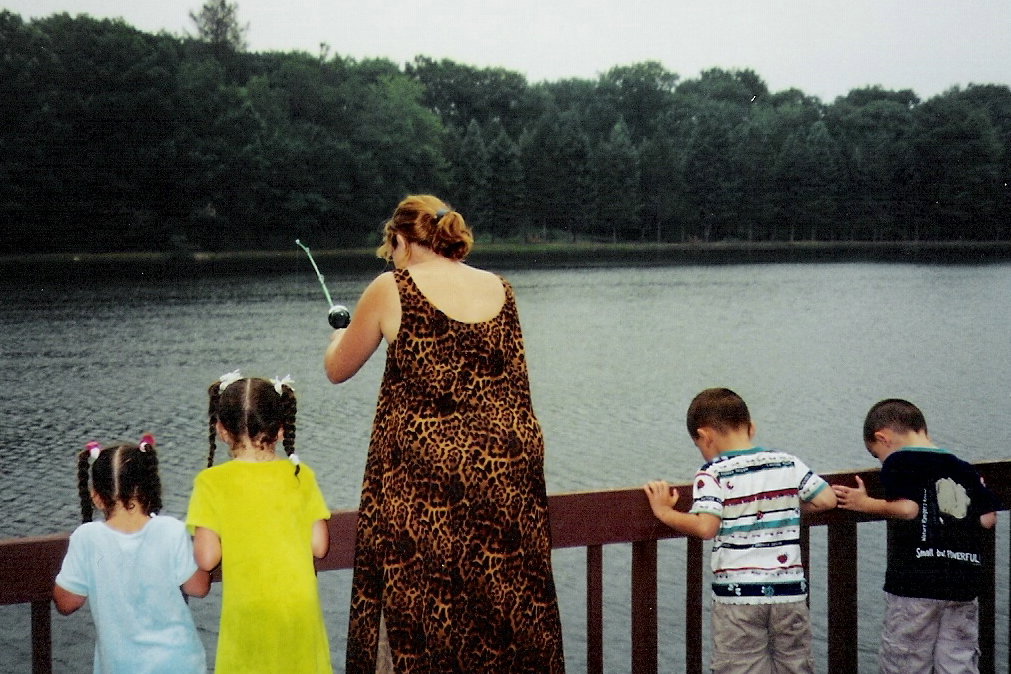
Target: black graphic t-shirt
(937, 555)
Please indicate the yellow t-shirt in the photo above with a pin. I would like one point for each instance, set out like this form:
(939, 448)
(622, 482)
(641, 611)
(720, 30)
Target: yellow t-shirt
(271, 617)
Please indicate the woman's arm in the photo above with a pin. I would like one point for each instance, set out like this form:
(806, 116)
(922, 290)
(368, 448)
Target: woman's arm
(350, 348)
(66, 601)
(320, 539)
(206, 548)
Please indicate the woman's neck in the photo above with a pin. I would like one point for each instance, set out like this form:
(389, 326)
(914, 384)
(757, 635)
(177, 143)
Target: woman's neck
(128, 519)
(417, 255)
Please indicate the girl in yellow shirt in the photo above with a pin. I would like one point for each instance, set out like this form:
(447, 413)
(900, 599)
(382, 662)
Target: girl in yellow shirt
(263, 519)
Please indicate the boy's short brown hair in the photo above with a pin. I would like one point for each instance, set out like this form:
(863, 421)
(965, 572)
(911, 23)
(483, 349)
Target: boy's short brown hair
(718, 408)
(894, 413)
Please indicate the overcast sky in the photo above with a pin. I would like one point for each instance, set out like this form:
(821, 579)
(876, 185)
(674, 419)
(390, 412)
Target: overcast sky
(823, 47)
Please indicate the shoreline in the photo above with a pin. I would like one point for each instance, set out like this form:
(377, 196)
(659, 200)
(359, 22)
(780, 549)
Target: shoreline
(52, 266)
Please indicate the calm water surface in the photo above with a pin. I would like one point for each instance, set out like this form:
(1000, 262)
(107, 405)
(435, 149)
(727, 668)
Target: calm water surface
(615, 356)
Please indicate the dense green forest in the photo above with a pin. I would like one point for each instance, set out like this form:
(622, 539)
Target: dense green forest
(117, 139)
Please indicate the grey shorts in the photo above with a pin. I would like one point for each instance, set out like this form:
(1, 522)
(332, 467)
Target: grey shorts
(762, 638)
(929, 635)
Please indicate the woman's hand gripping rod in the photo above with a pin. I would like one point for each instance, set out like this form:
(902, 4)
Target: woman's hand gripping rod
(339, 317)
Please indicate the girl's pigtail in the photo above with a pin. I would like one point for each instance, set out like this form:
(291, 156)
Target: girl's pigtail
(214, 393)
(83, 472)
(149, 484)
(289, 407)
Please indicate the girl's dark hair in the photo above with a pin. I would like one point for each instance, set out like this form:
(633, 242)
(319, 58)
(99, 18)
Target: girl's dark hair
(718, 408)
(120, 474)
(251, 407)
(894, 413)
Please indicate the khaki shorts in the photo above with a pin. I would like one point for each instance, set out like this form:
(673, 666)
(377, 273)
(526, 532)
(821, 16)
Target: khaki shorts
(929, 635)
(762, 638)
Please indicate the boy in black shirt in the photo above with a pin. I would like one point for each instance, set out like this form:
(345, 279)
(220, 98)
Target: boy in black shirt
(939, 507)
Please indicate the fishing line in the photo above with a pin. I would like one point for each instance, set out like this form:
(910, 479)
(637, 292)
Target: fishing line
(339, 317)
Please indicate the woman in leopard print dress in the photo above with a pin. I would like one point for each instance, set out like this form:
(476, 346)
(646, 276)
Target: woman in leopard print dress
(453, 547)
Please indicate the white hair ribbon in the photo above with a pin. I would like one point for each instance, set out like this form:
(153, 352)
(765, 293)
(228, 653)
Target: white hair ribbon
(94, 449)
(293, 457)
(281, 382)
(227, 379)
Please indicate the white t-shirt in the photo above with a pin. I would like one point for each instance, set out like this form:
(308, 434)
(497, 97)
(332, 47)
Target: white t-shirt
(756, 493)
(132, 584)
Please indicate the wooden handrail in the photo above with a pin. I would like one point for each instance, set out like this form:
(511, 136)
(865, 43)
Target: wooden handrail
(592, 520)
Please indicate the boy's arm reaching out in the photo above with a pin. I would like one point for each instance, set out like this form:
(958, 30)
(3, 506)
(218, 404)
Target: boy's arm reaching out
(662, 500)
(856, 498)
(825, 499)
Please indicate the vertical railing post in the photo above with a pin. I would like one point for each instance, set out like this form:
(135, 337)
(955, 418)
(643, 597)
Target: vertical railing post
(842, 599)
(987, 604)
(42, 638)
(694, 560)
(644, 622)
(594, 609)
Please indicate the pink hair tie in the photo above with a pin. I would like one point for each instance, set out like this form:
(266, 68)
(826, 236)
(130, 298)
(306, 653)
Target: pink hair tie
(146, 442)
(94, 449)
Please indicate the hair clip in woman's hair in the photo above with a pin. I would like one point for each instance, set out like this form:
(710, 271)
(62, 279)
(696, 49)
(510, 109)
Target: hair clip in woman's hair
(279, 382)
(146, 442)
(439, 213)
(94, 449)
(227, 379)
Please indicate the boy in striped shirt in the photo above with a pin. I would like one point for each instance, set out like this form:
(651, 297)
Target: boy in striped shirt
(749, 501)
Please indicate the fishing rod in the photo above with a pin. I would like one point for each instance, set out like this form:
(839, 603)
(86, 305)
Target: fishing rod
(339, 317)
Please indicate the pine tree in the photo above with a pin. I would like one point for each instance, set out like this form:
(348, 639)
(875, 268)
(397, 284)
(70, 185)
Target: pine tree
(506, 194)
(217, 24)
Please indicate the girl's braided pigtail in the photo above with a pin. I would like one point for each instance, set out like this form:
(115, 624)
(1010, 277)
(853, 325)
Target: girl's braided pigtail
(214, 394)
(149, 482)
(289, 407)
(83, 473)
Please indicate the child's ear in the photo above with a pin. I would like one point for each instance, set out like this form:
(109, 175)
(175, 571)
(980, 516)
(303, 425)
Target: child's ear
(280, 435)
(223, 433)
(751, 430)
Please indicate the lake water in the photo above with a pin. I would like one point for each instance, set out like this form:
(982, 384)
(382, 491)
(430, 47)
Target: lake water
(615, 356)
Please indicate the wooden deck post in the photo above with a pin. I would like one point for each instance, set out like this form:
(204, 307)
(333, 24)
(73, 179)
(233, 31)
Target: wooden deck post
(842, 599)
(594, 609)
(694, 560)
(42, 638)
(644, 621)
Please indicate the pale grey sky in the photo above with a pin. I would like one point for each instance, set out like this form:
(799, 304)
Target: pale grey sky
(823, 47)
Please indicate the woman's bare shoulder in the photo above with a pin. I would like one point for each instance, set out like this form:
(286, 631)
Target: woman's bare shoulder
(484, 276)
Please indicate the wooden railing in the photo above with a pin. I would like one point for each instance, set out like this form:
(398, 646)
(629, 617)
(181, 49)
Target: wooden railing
(590, 520)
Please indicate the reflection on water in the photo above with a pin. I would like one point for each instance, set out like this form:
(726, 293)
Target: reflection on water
(615, 356)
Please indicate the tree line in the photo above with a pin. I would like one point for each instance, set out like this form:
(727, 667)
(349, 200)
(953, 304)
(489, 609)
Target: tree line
(117, 139)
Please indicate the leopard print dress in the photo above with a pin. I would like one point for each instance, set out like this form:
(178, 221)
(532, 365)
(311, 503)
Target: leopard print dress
(453, 545)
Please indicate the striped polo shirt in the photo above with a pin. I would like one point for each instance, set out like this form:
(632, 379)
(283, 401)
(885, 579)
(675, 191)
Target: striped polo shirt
(756, 493)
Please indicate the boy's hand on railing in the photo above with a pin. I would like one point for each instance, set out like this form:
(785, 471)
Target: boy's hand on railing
(661, 497)
(851, 498)
(856, 498)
